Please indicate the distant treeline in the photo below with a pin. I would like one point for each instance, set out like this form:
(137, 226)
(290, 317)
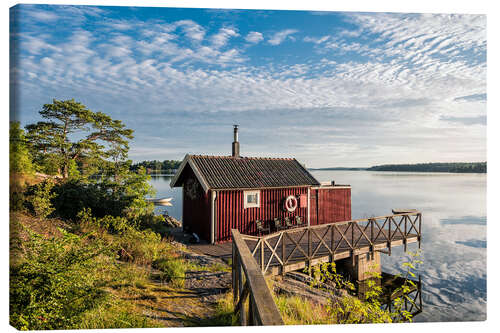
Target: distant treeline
(156, 166)
(475, 167)
(340, 168)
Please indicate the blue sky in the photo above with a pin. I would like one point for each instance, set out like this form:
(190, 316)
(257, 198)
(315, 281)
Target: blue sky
(329, 88)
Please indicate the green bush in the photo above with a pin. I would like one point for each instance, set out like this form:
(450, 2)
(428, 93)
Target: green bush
(174, 270)
(112, 224)
(367, 307)
(106, 199)
(142, 247)
(56, 281)
(75, 195)
(41, 199)
(20, 159)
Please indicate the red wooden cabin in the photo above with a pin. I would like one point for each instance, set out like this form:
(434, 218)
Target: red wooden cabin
(225, 192)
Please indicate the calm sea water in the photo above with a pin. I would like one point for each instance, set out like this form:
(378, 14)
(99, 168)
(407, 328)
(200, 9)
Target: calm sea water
(453, 210)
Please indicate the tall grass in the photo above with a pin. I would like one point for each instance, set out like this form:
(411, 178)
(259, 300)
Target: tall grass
(299, 311)
(224, 313)
(173, 269)
(116, 314)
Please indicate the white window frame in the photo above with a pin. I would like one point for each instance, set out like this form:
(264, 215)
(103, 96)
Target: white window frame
(246, 204)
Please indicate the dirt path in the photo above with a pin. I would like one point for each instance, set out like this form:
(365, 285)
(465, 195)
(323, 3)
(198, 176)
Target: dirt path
(193, 305)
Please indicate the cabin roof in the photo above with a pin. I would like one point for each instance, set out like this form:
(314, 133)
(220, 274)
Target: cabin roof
(227, 172)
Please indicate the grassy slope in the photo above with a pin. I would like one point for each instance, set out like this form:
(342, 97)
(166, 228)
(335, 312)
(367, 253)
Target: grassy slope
(137, 295)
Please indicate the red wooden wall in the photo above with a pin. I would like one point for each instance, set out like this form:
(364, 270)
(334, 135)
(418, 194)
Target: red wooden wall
(230, 213)
(330, 205)
(196, 212)
(327, 205)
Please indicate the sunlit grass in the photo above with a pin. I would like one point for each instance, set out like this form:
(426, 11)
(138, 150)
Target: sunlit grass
(296, 310)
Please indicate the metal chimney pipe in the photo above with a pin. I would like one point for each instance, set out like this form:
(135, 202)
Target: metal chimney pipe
(236, 144)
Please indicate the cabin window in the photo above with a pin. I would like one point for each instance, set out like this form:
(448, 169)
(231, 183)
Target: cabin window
(252, 199)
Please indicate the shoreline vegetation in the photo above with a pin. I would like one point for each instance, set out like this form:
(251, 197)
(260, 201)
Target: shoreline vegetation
(157, 167)
(460, 167)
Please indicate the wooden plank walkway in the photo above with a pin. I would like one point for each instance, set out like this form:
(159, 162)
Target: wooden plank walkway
(222, 250)
(294, 249)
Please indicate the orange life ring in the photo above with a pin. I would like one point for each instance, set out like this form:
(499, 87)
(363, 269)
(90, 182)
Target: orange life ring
(291, 203)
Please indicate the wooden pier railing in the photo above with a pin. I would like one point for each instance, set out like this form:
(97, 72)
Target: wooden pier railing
(252, 298)
(293, 249)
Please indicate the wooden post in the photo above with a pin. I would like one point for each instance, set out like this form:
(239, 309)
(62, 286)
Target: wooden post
(235, 269)
(283, 254)
(371, 234)
(262, 256)
(352, 236)
(419, 229)
(251, 311)
(309, 240)
(242, 295)
(405, 235)
(240, 276)
(243, 313)
(333, 244)
(389, 243)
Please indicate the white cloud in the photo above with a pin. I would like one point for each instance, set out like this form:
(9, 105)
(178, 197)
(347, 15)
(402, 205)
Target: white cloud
(316, 40)
(426, 35)
(254, 37)
(43, 15)
(120, 25)
(36, 44)
(280, 36)
(351, 33)
(192, 29)
(222, 37)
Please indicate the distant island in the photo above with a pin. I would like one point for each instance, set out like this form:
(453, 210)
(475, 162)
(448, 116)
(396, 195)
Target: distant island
(339, 168)
(463, 167)
(166, 166)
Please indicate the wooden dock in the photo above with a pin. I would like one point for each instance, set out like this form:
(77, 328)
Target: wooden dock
(294, 249)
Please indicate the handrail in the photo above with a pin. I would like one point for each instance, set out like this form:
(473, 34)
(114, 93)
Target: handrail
(249, 284)
(319, 226)
(373, 233)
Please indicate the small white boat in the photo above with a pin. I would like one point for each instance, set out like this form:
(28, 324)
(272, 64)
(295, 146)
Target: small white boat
(160, 201)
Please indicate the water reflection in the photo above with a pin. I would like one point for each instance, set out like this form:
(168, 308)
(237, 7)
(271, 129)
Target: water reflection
(472, 220)
(392, 289)
(473, 243)
(161, 177)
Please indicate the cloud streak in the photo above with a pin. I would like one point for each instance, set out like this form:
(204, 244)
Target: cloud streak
(281, 36)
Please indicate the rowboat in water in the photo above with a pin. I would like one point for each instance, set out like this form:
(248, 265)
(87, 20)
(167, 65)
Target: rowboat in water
(160, 201)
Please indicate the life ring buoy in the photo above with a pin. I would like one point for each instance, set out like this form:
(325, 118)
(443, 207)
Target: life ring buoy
(291, 203)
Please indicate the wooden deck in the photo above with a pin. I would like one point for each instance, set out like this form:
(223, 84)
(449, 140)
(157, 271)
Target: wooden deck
(222, 250)
(294, 249)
